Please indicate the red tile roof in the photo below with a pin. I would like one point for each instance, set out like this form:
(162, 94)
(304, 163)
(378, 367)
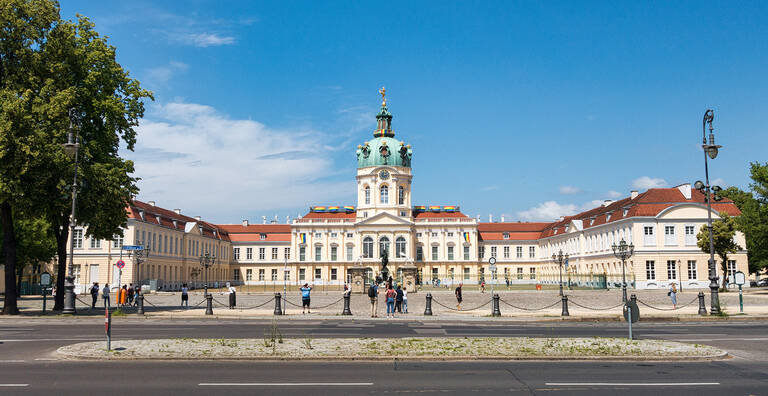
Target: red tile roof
(252, 232)
(164, 217)
(516, 231)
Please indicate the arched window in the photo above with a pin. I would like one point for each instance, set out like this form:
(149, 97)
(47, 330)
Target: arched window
(367, 195)
(400, 195)
(384, 194)
(400, 247)
(368, 247)
(384, 246)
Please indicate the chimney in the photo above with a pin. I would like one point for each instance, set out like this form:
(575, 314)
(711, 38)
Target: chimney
(561, 218)
(685, 189)
(151, 203)
(633, 194)
(502, 218)
(198, 218)
(263, 219)
(490, 218)
(607, 202)
(287, 219)
(275, 221)
(245, 222)
(478, 218)
(178, 211)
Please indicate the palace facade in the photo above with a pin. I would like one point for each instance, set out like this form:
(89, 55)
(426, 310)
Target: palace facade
(329, 243)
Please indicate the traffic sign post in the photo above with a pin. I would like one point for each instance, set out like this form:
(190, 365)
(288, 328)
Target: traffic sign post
(108, 327)
(492, 267)
(45, 283)
(740, 280)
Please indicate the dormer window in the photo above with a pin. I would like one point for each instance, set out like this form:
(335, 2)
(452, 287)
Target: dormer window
(608, 216)
(506, 235)
(591, 220)
(626, 210)
(262, 236)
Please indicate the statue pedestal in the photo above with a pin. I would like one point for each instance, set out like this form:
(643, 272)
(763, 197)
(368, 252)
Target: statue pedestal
(409, 278)
(358, 279)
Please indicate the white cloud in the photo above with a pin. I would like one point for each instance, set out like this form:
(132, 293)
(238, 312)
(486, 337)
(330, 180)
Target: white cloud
(547, 211)
(719, 182)
(202, 39)
(645, 182)
(567, 190)
(162, 74)
(613, 194)
(192, 155)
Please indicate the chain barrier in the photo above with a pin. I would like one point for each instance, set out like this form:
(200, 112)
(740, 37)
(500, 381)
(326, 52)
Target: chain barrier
(532, 309)
(593, 308)
(150, 303)
(289, 302)
(88, 306)
(260, 305)
(198, 304)
(461, 310)
(696, 299)
(320, 307)
(219, 303)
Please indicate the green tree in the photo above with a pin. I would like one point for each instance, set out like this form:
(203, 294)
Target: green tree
(723, 231)
(36, 245)
(753, 221)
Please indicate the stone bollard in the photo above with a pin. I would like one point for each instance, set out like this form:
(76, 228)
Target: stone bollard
(346, 310)
(140, 303)
(496, 311)
(702, 307)
(428, 309)
(278, 305)
(209, 304)
(565, 307)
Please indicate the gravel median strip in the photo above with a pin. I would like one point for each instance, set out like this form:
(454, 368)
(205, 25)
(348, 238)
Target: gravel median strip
(417, 348)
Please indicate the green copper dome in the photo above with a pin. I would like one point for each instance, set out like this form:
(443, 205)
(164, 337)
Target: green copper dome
(384, 149)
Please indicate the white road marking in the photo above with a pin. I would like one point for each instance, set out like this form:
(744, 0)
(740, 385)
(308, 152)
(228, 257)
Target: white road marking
(53, 339)
(14, 385)
(719, 339)
(287, 384)
(12, 361)
(47, 359)
(631, 383)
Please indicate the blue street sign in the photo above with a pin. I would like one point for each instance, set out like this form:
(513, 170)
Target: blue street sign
(566, 263)
(133, 247)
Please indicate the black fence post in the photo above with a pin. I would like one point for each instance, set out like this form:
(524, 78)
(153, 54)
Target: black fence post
(209, 304)
(278, 306)
(140, 302)
(346, 310)
(565, 307)
(428, 309)
(496, 311)
(702, 307)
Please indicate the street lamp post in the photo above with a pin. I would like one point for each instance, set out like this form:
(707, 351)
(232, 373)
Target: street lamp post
(622, 251)
(207, 260)
(710, 150)
(72, 148)
(560, 258)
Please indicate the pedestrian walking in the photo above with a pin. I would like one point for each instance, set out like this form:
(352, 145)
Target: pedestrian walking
(105, 295)
(482, 287)
(131, 294)
(94, 294)
(184, 295)
(305, 298)
(137, 292)
(232, 296)
(457, 292)
(405, 300)
(373, 293)
(672, 293)
(399, 299)
(391, 295)
(122, 295)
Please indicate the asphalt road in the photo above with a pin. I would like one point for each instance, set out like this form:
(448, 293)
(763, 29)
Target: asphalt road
(27, 346)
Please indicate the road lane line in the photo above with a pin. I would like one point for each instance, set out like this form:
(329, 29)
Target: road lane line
(631, 383)
(286, 384)
(13, 385)
(12, 361)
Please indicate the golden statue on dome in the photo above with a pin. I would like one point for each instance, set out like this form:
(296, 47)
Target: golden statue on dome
(383, 93)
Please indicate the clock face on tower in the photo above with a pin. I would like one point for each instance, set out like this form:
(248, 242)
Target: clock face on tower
(384, 175)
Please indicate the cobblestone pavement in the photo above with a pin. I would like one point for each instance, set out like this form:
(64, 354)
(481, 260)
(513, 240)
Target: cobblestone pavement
(523, 304)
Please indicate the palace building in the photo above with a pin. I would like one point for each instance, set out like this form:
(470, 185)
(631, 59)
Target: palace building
(331, 245)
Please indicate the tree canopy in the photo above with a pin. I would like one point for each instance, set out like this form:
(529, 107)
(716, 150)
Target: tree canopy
(723, 231)
(753, 221)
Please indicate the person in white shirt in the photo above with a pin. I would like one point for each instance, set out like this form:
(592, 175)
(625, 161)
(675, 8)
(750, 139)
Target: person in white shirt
(232, 297)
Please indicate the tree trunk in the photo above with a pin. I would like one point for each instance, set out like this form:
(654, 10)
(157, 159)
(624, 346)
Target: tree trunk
(61, 231)
(9, 249)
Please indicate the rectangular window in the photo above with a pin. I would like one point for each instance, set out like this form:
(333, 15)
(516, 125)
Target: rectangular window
(249, 274)
(350, 235)
(302, 253)
(248, 253)
(450, 252)
(287, 253)
(648, 237)
(435, 274)
(274, 274)
(669, 236)
(403, 213)
(287, 275)
(318, 274)
(533, 273)
(434, 253)
(466, 273)
(318, 235)
(434, 235)
(418, 235)
(671, 269)
(731, 270)
(236, 274)
(333, 253)
(95, 243)
(176, 246)
(334, 274)
(466, 252)
(77, 236)
(350, 253)
(690, 235)
(261, 274)
(262, 253)
(450, 234)
(117, 241)
(76, 272)
(274, 253)
(505, 235)
(519, 252)
(302, 273)
(419, 253)
(318, 253)
(481, 252)
(692, 269)
(165, 244)
(519, 273)
(493, 251)
(650, 270)
(334, 235)
(506, 251)
(531, 251)
(262, 237)
(236, 252)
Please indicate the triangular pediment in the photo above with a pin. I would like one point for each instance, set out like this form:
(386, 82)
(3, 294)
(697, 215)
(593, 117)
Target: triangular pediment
(384, 219)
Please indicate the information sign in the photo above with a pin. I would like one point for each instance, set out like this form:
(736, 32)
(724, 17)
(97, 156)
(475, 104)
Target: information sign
(739, 278)
(492, 262)
(133, 247)
(45, 279)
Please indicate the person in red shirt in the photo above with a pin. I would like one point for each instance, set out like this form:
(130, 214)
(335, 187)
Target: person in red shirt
(391, 295)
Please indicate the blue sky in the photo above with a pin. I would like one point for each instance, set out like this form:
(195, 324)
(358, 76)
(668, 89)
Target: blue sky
(527, 109)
